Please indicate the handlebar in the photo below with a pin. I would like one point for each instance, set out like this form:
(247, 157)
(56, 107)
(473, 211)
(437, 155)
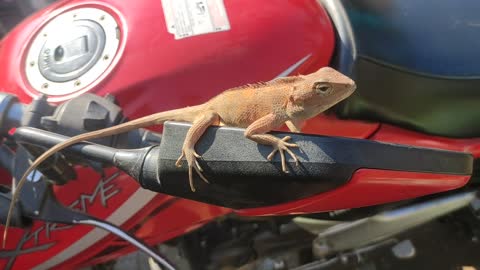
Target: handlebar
(11, 112)
(239, 173)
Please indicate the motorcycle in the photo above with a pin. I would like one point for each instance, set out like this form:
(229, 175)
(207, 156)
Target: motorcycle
(399, 153)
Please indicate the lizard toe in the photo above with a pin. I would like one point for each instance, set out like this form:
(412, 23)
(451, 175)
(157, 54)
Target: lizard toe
(284, 162)
(191, 156)
(196, 155)
(178, 164)
(272, 154)
(282, 146)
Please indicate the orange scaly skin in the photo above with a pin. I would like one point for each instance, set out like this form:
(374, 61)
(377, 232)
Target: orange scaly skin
(259, 108)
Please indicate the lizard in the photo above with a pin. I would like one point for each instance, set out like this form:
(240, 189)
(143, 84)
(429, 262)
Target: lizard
(259, 108)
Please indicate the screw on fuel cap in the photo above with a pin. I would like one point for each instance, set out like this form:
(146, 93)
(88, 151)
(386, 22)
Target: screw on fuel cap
(76, 46)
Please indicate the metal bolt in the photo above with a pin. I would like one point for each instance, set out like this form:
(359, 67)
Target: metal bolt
(77, 83)
(404, 250)
(343, 259)
(45, 85)
(321, 248)
(279, 265)
(45, 34)
(74, 15)
(32, 63)
(106, 57)
(36, 212)
(102, 17)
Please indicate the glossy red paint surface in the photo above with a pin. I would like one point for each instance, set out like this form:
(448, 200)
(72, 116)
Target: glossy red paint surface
(155, 72)
(329, 125)
(264, 41)
(368, 187)
(394, 134)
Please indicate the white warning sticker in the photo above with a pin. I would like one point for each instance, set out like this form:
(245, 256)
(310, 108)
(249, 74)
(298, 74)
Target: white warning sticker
(186, 18)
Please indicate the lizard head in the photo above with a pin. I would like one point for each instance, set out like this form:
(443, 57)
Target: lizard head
(319, 91)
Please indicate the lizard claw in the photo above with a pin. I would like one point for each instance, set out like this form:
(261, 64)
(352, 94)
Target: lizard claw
(191, 157)
(281, 146)
(178, 164)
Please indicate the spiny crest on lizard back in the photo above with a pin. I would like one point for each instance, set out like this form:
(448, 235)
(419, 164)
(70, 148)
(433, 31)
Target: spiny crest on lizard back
(277, 81)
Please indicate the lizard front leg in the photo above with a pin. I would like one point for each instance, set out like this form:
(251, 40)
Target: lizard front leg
(188, 150)
(256, 132)
(294, 126)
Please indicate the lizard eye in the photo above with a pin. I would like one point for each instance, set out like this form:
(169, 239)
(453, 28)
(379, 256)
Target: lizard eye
(322, 88)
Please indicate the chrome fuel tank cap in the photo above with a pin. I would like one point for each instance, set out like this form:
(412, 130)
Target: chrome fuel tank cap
(72, 51)
(68, 56)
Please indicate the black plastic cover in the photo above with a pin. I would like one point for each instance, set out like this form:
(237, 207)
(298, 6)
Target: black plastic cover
(241, 177)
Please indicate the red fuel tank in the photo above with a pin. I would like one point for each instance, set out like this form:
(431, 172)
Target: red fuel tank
(152, 55)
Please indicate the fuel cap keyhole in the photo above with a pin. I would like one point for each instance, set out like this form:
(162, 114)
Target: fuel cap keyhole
(59, 53)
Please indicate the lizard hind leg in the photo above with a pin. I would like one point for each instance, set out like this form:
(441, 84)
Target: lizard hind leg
(195, 132)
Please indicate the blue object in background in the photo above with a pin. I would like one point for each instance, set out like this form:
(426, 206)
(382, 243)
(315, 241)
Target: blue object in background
(434, 37)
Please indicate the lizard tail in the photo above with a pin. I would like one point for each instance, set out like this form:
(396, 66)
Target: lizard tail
(187, 114)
